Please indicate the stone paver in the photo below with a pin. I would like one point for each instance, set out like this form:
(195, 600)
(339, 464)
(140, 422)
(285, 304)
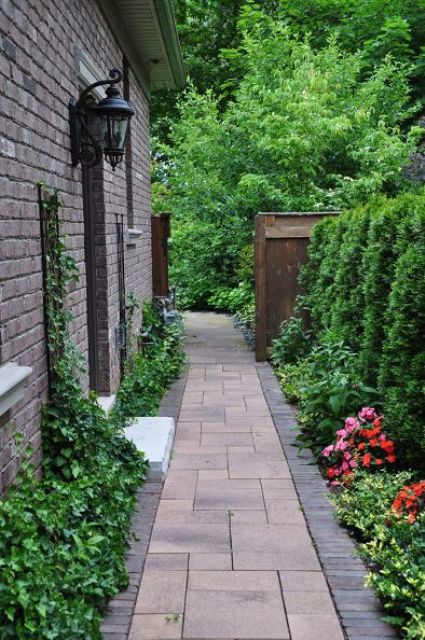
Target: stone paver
(230, 555)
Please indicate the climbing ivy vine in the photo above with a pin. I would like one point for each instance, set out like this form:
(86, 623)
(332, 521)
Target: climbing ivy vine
(63, 539)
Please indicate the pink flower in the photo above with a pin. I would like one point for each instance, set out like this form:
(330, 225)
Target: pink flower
(347, 455)
(345, 466)
(351, 424)
(367, 413)
(327, 451)
(342, 433)
(353, 463)
(341, 445)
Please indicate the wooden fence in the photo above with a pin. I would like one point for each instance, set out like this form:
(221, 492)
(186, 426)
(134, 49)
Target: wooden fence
(281, 241)
(160, 235)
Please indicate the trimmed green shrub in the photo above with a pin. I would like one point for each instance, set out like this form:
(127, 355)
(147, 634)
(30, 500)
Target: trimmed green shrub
(379, 260)
(402, 374)
(365, 283)
(347, 287)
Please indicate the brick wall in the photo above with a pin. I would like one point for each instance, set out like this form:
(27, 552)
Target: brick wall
(37, 78)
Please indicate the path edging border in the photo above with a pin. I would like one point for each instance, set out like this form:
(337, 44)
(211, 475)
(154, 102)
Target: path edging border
(357, 606)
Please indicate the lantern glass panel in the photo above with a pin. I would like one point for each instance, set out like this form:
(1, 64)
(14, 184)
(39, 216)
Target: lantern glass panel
(114, 130)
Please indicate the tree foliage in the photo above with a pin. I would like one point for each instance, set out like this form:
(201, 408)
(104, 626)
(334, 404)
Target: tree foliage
(306, 129)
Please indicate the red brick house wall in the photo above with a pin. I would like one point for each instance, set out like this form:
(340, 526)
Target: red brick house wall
(37, 78)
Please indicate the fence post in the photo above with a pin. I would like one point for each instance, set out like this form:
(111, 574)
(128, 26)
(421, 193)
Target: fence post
(260, 290)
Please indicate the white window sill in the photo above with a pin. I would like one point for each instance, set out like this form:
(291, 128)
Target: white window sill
(13, 378)
(133, 236)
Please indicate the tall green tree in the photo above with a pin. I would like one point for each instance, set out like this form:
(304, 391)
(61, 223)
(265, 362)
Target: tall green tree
(306, 129)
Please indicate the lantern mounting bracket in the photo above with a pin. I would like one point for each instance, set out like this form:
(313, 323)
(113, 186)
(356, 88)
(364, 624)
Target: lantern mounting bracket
(85, 148)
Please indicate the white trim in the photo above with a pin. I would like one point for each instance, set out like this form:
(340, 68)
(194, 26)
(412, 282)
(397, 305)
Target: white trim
(12, 383)
(88, 72)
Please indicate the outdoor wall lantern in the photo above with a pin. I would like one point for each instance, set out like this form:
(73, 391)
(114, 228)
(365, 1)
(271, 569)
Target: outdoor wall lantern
(99, 127)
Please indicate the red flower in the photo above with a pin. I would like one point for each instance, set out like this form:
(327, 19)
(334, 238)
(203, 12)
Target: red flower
(391, 458)
(388, 446)
(366, 460)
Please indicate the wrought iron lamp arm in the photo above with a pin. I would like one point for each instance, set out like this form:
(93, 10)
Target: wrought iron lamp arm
(115, 76)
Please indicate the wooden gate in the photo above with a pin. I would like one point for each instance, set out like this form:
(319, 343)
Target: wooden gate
(160, 235)
(281, 241)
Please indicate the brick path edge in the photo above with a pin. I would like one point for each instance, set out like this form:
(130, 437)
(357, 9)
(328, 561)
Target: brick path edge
(116, 624)
(357, 606)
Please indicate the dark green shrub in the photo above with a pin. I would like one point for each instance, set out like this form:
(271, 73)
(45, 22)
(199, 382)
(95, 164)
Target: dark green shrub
(365, 282)
(379, 261)
(347, 287)
(292, 344)
(402, 373)
(232, 300)
(318, 276)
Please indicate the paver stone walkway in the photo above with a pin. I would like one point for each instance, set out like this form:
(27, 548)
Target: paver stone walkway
(230, 555)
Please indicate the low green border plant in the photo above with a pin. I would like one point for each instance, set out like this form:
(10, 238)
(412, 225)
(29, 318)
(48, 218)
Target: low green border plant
(393, 548)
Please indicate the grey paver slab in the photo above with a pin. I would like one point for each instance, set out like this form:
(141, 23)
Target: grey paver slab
(228, 438)
(251, 465)
(248, 605)
(303, 581)
(284, 512)
(162, 591)
(229, 494)
(272, 546)
(190, 538)
(156, 627)
(248, 516)
(180, 485)
(166, 562)
(309, 602)
(195, 517)
(199, 461)
(314, 627)
(219, 427)
(210, 562)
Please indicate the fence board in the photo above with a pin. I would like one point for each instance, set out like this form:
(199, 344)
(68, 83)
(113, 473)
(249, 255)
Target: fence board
(160, 235)
(281, 241)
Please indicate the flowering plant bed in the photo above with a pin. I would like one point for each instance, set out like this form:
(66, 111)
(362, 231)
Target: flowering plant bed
(361, 443)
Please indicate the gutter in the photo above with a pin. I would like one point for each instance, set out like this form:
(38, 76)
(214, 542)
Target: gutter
(167, 23)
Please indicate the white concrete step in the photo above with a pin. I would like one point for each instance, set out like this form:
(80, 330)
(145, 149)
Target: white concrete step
(155, 437)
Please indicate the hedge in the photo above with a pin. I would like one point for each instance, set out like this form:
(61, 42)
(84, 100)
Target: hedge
(365, 282)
